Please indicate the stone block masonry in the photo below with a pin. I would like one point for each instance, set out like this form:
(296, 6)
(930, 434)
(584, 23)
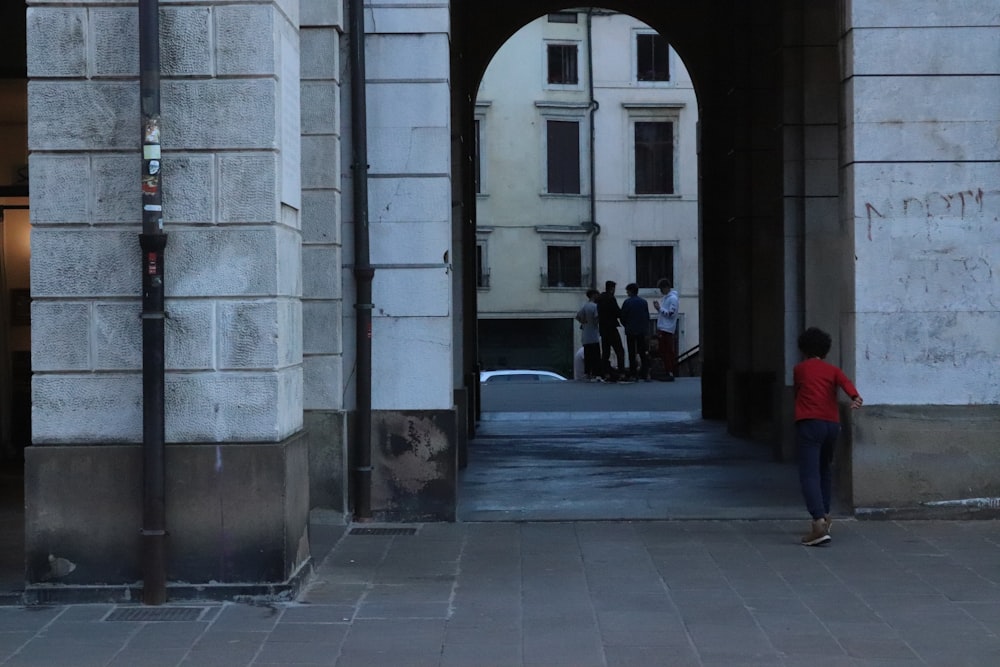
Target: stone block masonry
(233, 270)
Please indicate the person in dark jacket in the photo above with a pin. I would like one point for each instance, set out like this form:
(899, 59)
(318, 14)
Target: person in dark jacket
(608, 318)
(635, 319)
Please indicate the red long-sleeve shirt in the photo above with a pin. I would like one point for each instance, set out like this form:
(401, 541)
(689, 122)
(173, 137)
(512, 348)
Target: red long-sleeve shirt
(816, 383)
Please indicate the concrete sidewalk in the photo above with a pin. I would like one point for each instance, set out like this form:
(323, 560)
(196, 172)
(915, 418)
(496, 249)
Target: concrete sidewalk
(575, 594)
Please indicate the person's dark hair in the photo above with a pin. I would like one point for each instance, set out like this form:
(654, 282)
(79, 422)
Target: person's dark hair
(609, 285)
(591, 292)
(664, 282)
(632, 288)
(814, 342)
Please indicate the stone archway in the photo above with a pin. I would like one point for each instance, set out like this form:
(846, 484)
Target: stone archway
(760, 93)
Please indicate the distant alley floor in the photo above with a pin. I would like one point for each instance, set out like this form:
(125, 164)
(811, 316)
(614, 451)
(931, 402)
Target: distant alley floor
(583, 451)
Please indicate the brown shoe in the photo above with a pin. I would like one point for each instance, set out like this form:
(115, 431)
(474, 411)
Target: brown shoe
(828, 520)
(817, 534)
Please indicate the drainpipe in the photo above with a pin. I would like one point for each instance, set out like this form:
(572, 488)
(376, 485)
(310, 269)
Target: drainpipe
(595, 228)
(363, 271)
(152, 241)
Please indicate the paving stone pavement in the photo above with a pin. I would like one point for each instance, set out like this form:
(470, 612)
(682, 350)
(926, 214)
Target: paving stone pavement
(577, 594)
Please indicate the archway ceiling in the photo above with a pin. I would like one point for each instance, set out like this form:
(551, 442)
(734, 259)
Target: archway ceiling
(701, 32)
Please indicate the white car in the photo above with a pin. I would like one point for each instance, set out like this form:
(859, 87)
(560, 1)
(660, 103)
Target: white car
(519, 376)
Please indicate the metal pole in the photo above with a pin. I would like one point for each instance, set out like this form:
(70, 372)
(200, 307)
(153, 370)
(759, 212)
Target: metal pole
(152, 241)
(595, 228)
(364, 274)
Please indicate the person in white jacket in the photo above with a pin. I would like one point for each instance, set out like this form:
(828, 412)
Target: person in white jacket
(666, 327)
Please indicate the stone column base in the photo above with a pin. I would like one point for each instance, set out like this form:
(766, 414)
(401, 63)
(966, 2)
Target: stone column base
(414, 465)
(237, 516)
(926, 461)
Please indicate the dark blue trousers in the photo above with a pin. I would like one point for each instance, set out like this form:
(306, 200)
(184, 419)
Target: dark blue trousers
(816, 440)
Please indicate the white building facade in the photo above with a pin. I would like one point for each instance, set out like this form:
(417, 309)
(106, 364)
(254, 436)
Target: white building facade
(586, 124)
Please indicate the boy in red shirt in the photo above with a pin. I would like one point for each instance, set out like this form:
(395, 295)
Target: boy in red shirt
(817, 425)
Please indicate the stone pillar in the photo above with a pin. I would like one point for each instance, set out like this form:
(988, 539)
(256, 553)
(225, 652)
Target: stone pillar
(813, 233)
(322, 252)
(754, 240)
(410, 194)
(921, 204)
(237, 499)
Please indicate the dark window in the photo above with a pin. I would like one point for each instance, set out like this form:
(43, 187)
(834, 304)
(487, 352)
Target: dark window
(482, 272)
(653, 262)
(563, 17)
(563, 157)
(477, 157)
(654, 158)
(562, 64)
(652, 58)
(564, 268)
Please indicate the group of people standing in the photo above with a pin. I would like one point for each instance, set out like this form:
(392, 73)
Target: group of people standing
(601, 316)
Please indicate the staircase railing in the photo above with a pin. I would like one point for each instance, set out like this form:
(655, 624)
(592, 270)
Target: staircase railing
(689, 360)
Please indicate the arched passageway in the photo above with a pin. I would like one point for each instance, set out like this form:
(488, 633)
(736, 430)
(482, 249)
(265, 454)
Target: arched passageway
(767, 81)
(586, 173)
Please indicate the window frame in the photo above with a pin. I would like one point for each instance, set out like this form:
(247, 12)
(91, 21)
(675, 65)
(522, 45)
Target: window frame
(653, 113)
(674, 247)
(574, 112)
(548, 85)
(671, 64)
(482, 258)
(559, 174)
(569, 236)
(564, 16)
(480, 149)
(547, 281)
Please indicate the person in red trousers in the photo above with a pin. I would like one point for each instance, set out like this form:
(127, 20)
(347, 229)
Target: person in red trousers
(666, 327)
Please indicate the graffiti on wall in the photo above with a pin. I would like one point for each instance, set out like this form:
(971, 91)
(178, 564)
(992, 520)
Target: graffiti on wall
(959, 205)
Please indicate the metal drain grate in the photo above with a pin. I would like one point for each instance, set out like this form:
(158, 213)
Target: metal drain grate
(383, 531)
(156, 614)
